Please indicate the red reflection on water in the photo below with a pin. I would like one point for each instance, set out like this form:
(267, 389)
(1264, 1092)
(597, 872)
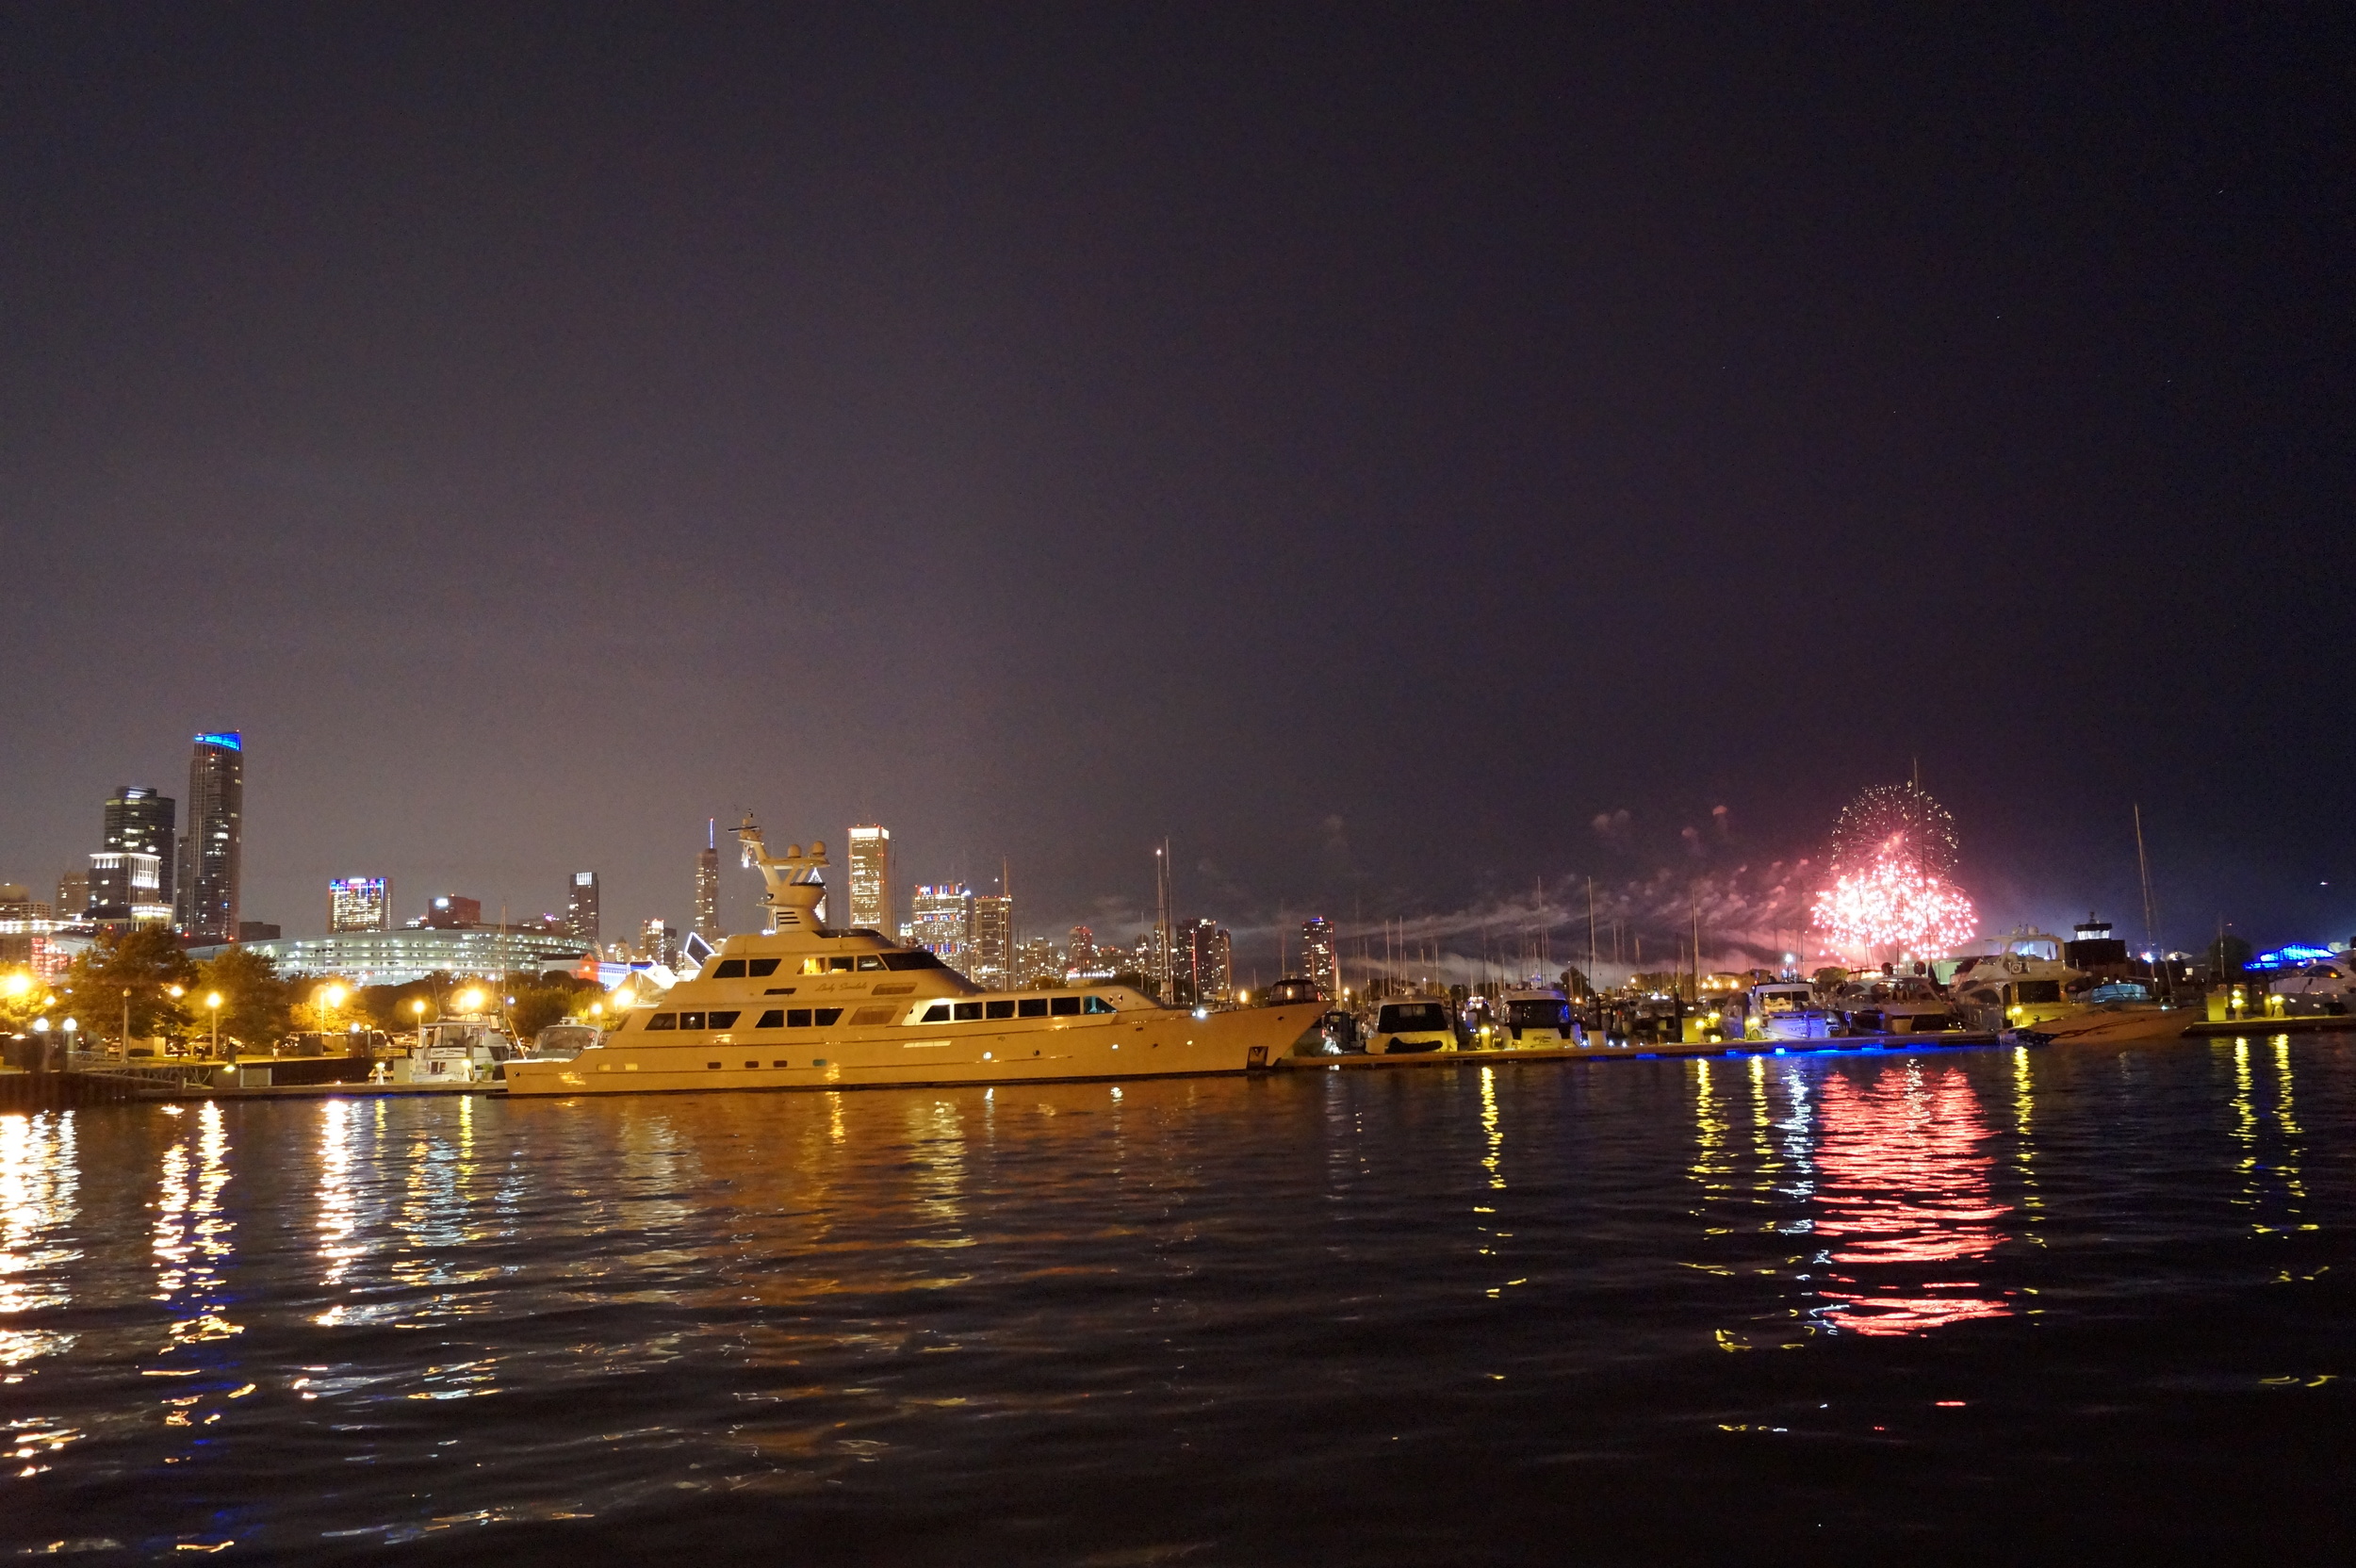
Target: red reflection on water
(1903, 1184)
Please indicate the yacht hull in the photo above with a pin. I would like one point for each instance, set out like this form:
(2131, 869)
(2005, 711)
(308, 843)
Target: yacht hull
(1162, 1042)
(2104, 1026)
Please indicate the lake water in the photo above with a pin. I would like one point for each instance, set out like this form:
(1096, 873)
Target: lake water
(1763, 1308)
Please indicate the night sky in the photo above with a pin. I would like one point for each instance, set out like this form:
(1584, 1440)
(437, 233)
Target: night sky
(1373, 447)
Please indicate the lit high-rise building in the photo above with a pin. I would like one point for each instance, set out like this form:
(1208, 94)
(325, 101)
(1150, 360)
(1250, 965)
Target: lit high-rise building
(73, 894)
(452, 912)
(993, 941)
(359, 904)
(1205, 962)
(140, 822)
(127, 886)
(707, 922)
(942, 921)
(658, 944)
(1080, 951)
(870, 878)
(580, 909)
(1318, 958)
(212, 847)
(1037, 958)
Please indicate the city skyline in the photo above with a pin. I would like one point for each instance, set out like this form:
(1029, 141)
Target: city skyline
(1661, 373)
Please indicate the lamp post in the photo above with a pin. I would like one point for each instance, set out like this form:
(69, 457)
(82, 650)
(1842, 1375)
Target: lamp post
(72, 1026)
(212, 1004)
(41, 1038)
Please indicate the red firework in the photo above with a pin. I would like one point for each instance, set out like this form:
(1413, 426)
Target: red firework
(1895, 902)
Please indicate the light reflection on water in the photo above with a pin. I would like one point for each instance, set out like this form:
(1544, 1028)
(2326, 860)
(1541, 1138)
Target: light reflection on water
(1905, 1185)
(381, 1320)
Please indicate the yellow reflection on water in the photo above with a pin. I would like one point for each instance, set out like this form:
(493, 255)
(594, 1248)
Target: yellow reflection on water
(2024, 1144)
(1762, 1133)
(2275, 1189)
(1710, 1163)
(2286, 1117)
(192, 1235)
(1493, 1162)
(39, 1176)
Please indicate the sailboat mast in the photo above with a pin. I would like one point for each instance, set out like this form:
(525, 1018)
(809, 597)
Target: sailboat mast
(2143, 864)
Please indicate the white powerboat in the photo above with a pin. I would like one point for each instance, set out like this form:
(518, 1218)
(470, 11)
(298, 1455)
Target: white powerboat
(801, 1006)
(1787, 1010)
(1540, 1017)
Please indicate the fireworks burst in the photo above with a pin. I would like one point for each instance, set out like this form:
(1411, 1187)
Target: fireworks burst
(1904, 813)
(1894, 902)
(1894, 850)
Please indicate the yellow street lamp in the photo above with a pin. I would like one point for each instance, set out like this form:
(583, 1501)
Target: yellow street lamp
(17, 984)
(416, 1010)
(334, 996)
(212, 1004)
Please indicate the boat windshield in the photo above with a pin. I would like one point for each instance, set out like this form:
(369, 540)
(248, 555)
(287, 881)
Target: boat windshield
(1784, 1001)
(1412, 1018)
(1536, 1015)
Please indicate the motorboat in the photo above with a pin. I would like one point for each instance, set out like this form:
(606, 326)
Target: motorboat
(2017, 986)
(1892, 1004)
(2116, 1012)
(562, 1042)
(1413, 1023)
(804, 1006)
(457, 1050)
(2316, 988)
(1787, 1010)
(1539, 1016)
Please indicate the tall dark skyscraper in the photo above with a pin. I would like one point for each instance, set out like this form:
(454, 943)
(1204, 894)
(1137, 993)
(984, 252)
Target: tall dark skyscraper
(707, 923)
(213, 845)
(140, 822)
(580, 909)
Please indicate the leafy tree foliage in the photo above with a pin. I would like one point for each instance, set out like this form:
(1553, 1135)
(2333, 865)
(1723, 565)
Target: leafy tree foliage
(256, 1005)
(136, 967)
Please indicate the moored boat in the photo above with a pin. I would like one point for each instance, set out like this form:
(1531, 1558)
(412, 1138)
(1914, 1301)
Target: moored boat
(801, 1006)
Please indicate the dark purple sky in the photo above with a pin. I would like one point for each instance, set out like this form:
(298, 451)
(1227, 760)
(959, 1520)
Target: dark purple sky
(1365, 446)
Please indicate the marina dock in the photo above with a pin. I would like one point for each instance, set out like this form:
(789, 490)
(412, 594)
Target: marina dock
(1646, 1051)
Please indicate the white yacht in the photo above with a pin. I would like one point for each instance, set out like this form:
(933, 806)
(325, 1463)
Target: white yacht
(800, 1007)
(1787, 1010)
(1541, 1015)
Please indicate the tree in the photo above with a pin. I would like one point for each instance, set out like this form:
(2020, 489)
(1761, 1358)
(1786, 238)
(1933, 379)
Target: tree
(537, 1007)
(257, 1006)
(136, 969)
(2228, 956)
(23, 997)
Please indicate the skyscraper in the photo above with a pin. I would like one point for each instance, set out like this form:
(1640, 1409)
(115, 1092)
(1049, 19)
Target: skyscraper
(1317, 960)
(140, 822)
(707, 922)
(1081, 952)
(73, 894)
(128, 887)
(870, 878)
(994, 940)
(212, 848)
(1205, 962)
(359, 904)
(580, 909)
(942, 923)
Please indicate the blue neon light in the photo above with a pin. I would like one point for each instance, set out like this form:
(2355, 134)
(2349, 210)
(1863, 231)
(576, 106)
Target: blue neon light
(227, 738)
(2296, 953)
